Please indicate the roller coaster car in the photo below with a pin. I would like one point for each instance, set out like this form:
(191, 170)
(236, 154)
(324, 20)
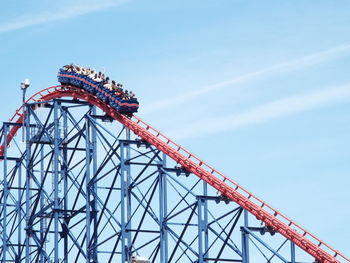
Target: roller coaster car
(123, 106)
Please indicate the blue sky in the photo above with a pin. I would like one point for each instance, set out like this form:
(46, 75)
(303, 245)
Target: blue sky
(259, 89)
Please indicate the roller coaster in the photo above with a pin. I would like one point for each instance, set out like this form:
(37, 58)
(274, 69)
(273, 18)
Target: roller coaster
(113, 98)
(92, 182)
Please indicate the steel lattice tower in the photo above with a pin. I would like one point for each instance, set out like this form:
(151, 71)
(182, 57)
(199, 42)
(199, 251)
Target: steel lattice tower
(84, 188)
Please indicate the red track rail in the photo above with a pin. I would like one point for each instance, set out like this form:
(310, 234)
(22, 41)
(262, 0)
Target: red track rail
(227, 187)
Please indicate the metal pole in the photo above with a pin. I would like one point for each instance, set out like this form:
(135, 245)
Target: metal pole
(162, 214)
(125, 199)
(56, 181)
(23, 113)
(43, 219)
(94, 188)
(200, 231)
(28, 184)
(4, 233)
(128, 196)
(122, 197)
(65, 182)
(206, 230)
(245, 240)
(87, 182)
(19, 211)
(292, 252)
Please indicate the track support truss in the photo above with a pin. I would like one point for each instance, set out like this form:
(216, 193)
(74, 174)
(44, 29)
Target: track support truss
(85, 188)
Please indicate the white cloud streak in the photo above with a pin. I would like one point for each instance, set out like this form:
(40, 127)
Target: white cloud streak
(70, 10)
(264, 113)
(292, 65)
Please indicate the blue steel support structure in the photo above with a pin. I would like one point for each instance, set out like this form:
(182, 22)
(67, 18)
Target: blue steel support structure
(94, 192)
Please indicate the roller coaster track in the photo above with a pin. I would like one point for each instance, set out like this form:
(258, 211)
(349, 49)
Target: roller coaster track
(227, 187)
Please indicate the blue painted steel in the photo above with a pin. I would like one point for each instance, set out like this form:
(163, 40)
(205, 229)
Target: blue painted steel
(129, 200)
(125, 183)
(124, 203)
(19, 211)
(128, 193)
(42, 222)
(64, 172)
(200, 231)
(205, 221)
(88, 191)
(28, 184)
(163, 210)
(94, 189)
(245, 229)
(292, 252)
(56, 209)
(245, 240)
(5, 195)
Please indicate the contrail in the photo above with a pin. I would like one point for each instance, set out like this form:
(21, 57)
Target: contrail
(292, 65)
(70, 11)
(264, 113)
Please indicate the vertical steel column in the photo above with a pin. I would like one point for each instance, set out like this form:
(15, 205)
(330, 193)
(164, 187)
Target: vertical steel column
(125, 199)
(65, 182)
(19, 211)
(163, 213)
(94, 189)
(28, 183)
(42, 204)
(292, 252)
(128, 193)
(203, 240)
(245, 240)
(56, 208)
(5, 194)
(206, 230)
(200, 230)
(88, 193)
(122, 198)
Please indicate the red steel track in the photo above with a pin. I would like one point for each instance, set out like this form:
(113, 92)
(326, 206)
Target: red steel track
(262, 211)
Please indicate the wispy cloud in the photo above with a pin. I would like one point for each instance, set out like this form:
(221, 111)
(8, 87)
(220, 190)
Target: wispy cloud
(70, 10)
(264, 113)
(292, 65)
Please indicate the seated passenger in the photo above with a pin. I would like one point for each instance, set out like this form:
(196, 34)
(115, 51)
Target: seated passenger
(92, 74)
(68, 68)
(88, 72)
(126, 95)
(106, 84)
(103, 77)
(98, 77)
(114, 87)
(77, 69)
(117, 90)
(106, 80)
(83, 71)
